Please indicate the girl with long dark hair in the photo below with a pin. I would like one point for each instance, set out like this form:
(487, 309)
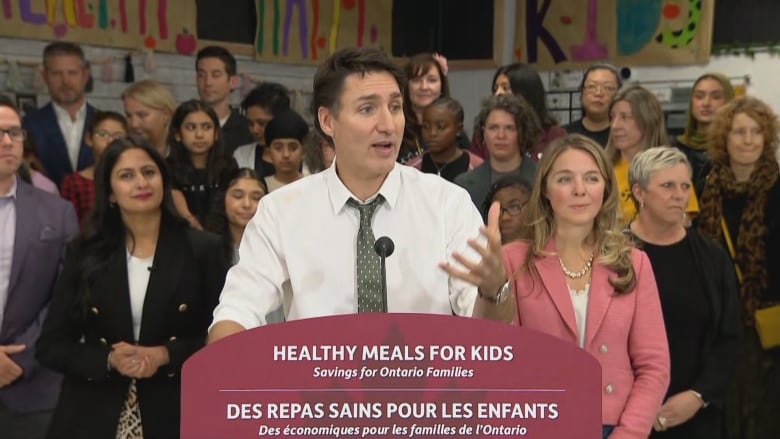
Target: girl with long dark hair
(234, 207)
(197, 159)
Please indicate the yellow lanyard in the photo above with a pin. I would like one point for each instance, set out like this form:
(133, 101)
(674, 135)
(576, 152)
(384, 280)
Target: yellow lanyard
(730, 245)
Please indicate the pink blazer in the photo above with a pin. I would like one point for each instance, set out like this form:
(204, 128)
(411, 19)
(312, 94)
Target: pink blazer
(625, 333)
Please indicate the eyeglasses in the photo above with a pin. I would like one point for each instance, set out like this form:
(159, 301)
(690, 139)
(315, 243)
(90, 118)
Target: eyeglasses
(104, 134)
(592, 87)
(513, 209)
(17, 134)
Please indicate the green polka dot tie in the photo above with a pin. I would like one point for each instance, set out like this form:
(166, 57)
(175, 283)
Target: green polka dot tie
(369, 281)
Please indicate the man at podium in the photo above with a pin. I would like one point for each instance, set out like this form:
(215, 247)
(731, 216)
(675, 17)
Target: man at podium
(311, 247)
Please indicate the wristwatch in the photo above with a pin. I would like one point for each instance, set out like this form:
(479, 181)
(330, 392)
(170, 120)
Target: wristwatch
(500, 296)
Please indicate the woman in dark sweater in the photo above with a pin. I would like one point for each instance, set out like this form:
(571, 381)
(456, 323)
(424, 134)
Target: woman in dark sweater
(699, 299)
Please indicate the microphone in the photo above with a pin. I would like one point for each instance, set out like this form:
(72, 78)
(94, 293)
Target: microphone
(384, 247)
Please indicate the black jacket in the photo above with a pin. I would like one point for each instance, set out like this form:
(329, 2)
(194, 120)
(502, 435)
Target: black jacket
(235, 132)
(700, 165)
(184, 287)
(721, 349)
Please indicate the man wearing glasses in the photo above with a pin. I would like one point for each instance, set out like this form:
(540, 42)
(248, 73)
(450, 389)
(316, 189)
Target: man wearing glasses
(34, 228)
(600, 82)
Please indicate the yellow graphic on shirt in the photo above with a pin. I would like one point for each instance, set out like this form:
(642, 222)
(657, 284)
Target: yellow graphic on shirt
(627, 207)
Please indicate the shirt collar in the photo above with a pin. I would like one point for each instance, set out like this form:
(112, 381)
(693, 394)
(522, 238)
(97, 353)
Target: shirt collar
(339, 194)
(63, 113)
(11, 194)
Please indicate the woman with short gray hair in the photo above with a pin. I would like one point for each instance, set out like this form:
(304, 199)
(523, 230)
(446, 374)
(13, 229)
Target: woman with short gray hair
(698, 290)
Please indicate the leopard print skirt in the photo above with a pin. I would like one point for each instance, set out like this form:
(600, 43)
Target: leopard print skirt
(130, 418)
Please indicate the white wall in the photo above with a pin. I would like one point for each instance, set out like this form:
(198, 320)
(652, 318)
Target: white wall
(176, 71)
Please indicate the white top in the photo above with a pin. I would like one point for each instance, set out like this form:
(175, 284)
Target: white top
(273, 183)
(72, 131)
(138, 272)
(245, 155)
(579, 300)
(299, 249)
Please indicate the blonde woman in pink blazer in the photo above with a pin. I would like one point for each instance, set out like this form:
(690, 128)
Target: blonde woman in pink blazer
(576, 276)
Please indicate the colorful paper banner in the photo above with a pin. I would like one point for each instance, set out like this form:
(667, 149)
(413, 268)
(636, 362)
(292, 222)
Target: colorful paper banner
(563, 34)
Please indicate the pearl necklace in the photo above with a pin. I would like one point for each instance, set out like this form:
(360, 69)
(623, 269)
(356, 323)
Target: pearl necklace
(576, 275)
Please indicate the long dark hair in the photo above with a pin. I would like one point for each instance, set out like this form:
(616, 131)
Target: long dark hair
(526, 82)
(181, 161)
(217, 221)
(104, 230)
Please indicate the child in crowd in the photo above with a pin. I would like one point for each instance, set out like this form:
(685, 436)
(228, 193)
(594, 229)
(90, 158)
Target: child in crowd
(284, 138)
(262, 104)
(197, 160)
(441, 128)
(512, 193)
(79, 187)
(233, 210)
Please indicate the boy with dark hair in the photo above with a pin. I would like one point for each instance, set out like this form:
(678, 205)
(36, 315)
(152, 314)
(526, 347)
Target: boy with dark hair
(284, 140)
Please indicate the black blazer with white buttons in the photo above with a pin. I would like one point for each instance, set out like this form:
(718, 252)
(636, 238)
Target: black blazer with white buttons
(184, 287)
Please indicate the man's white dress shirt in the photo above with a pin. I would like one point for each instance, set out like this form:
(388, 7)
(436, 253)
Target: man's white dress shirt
(299, 249)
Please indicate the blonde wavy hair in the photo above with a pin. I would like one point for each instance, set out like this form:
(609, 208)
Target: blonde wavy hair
(613, 248)
(152, 94)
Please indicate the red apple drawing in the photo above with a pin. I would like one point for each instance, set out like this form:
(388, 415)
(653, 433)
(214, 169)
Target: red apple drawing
(150, 42)
(186, 43)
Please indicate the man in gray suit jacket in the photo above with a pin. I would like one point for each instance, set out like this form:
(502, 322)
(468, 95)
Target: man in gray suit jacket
(34, 228)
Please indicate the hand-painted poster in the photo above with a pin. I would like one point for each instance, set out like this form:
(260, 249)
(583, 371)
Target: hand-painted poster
(561, 34)
(307, 31)
(133, 24)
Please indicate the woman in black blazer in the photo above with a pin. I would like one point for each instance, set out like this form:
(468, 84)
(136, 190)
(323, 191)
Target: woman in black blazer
(699, 297)
(134, 301)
